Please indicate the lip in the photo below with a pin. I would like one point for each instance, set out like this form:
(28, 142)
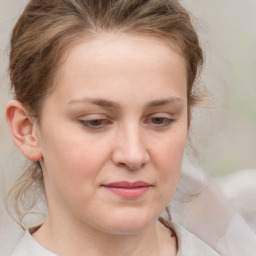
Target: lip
(128, 190)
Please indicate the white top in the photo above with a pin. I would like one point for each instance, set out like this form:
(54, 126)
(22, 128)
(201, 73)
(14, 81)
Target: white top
(188, 245)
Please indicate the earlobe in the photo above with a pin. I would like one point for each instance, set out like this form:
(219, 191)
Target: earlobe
(22, 130)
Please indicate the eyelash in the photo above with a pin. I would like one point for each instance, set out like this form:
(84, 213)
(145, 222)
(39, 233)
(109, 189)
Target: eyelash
(97, 124)
(167, 122)
(89, 123)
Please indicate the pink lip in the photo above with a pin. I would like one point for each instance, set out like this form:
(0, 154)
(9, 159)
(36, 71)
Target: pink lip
(129, 190)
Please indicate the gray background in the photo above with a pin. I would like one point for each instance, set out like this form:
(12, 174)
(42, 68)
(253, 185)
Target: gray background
(225, 133)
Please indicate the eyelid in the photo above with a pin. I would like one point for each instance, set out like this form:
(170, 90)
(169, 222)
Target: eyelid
(88, 123)
(166, 117)
(163, 118)
(93, 116)
(161, 115)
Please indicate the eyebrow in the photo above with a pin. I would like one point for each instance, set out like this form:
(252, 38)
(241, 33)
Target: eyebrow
(98, 102)
(110, 104)
(171, 100)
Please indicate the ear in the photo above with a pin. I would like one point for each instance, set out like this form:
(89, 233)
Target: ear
(24, 130)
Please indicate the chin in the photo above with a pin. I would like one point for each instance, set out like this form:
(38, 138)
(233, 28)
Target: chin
(129, 223)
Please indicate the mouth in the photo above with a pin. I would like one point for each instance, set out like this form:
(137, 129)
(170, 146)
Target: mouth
(128, 190)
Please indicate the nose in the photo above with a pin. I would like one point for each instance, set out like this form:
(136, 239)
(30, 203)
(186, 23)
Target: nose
(130, 150)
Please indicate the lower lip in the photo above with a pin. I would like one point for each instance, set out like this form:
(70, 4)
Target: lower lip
(129, 193)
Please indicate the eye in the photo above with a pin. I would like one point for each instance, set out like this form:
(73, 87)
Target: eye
(160, 122)
(95, 123)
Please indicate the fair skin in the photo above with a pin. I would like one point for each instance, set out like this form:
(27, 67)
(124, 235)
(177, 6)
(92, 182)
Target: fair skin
(117, 112)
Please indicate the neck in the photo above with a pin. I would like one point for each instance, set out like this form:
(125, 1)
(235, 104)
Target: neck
(89, 241)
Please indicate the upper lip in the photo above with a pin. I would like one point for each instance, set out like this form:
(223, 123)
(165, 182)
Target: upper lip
(127, 184)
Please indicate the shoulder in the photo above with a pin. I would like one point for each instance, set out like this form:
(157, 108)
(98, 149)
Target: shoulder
(29, 247)
(189, 244)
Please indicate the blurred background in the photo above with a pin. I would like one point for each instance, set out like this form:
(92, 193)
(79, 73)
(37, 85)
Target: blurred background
(224, 132)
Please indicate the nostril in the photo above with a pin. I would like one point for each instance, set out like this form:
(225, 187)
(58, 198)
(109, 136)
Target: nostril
(130, 166)
(130, 152)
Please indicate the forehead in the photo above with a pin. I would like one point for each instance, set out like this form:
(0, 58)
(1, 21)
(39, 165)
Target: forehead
(124, 64)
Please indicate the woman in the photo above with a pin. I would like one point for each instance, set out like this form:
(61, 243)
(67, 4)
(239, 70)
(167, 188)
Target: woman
(104, 92)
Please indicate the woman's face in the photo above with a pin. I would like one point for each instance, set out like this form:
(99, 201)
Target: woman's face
(113, 132)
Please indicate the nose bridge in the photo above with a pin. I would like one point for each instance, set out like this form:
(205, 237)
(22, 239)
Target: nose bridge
(133, 140)
(131, 149)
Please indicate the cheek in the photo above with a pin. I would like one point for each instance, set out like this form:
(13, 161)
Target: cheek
(72, 172)
(71, 160)
(170, 150)
(169, 155)
(75, 161)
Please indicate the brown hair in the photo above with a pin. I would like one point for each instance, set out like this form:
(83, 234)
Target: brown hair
(47, 29)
